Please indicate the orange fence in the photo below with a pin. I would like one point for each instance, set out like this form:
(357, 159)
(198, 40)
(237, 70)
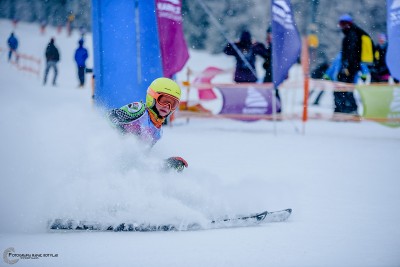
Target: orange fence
(26, 63)
(198, 111)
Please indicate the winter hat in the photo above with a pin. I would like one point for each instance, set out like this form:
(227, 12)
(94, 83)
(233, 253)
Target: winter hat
(382, 37)
(245, 38)
(345, 18)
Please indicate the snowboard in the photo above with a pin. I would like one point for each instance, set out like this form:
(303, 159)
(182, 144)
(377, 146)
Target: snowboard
(240, 221)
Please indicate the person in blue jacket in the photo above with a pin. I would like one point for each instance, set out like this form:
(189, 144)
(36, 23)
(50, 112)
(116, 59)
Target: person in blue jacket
(12, 46)
(81, 55)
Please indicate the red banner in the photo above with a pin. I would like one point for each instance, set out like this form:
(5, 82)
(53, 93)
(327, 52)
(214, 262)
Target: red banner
(173, 46)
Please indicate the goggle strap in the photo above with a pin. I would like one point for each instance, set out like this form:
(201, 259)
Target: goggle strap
(152, 93)
(155, 95)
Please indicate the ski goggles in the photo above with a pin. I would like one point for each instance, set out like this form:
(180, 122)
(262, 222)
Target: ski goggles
(164, 99)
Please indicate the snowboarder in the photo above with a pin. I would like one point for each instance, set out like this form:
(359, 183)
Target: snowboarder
(145, 120)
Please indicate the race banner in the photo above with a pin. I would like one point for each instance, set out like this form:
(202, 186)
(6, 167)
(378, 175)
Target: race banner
(247, 100)
(174, 51)
(286, 42)
(393, 29)
(381, 103)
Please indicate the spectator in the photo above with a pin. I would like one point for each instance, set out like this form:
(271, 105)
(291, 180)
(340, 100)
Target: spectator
(52, 58)
(268, 63)
(245, 55)
(43, 25)
(12, 46)
(81, 54)
(268, 58)
(350, 63)
(380, 71)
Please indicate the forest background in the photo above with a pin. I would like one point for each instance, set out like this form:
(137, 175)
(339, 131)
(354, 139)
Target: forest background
(318, 17)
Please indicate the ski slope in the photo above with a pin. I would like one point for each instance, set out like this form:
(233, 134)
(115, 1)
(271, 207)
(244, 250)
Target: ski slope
(60, 158)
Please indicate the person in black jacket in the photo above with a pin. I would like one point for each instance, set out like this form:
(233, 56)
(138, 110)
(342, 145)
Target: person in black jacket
(268, 58)
(52, 58)
(246, 58)
(267, 65)
(380, 71)
(350, 63)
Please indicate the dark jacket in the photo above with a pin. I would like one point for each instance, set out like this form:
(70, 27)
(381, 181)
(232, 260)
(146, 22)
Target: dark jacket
(249, 50)
(268, 65)
(52, 52)
(81, 54)
(351, 49)
(380, 66)
(12, 42)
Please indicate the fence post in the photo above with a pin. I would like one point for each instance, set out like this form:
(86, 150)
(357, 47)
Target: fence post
(306, 70)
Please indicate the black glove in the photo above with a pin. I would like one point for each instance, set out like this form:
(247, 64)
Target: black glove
(176, 163)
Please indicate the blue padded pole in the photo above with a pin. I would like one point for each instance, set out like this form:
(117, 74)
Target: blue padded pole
(126, 50)
(149, 46)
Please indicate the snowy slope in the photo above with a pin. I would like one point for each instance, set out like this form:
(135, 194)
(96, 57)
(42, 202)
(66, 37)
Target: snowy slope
(60, 158)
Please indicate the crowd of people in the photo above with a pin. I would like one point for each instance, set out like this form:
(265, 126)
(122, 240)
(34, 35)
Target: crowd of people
(52, 56)
(357, 59)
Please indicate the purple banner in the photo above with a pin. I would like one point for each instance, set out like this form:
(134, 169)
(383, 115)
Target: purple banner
(393, 29)
(286, 42)
(247, 100)
(173, 46)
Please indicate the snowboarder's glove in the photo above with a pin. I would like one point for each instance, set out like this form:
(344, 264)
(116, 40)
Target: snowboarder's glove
(176, 163)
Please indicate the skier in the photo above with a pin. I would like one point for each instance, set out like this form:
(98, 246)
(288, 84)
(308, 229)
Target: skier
(145, 120)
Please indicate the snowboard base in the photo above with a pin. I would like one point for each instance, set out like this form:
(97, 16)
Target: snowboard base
(255, 219)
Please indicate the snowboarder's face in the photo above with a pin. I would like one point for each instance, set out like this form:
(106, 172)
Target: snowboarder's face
(163, 110)
(165, 104)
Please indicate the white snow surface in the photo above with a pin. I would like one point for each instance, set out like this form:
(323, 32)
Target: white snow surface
(61, 159)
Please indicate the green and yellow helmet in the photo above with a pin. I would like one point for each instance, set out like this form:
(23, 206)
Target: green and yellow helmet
(162, 86)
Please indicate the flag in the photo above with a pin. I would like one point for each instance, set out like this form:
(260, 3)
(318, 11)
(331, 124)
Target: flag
(393, 29)
(381, 103)
(286, 42)
(205, 78)
(174, 51)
